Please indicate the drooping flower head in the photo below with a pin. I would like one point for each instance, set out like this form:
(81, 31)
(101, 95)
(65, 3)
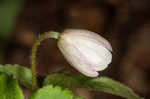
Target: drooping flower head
(86, 51)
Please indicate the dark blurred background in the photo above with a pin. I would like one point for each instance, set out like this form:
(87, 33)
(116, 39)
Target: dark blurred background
(125, 23)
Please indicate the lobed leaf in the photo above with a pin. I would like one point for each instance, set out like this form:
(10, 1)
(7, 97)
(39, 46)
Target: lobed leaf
(103, 84)
(9, 88)
(62, 80)
(20, 73)
(50, 92)
(108, 85)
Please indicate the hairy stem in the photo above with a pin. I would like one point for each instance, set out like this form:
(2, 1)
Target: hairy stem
(33, 54)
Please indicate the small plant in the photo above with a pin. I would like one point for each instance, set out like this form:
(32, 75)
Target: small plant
(86, 51)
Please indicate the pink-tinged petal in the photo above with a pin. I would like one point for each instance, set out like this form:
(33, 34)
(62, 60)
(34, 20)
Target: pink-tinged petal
(86, 51)
(90, 35)
(75, 58)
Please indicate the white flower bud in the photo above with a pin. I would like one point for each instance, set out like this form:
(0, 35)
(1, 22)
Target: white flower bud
(86, 51)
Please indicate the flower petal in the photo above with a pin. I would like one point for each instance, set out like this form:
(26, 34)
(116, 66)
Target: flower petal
(76, 59)
(89, 35)
(86, 51)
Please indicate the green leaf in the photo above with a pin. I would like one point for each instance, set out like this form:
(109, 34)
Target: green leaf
(103, 84)
(110, 86)
(9, 88)
(20, 73)
(50, 92)
(62, 80)
(78, 98)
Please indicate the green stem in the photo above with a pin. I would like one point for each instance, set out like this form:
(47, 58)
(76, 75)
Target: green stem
(33, 54)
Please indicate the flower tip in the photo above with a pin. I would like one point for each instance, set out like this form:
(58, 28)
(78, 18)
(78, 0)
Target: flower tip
(96, 74)
(110, 48)
(93, 74)
(107, 45)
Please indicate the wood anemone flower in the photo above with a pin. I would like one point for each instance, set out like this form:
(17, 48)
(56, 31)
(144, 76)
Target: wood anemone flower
(86, 51)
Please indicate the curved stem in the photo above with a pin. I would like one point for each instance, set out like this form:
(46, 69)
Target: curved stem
(33, 55)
